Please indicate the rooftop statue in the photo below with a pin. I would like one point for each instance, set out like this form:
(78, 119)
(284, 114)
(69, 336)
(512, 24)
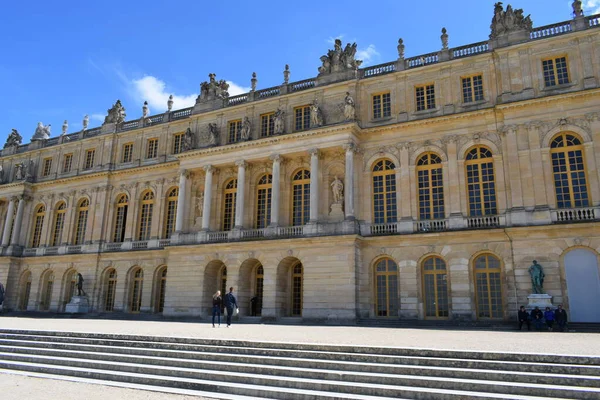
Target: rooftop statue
(14, 139)
(505, 22)
(577, 8)
(65, 128)
(116, 114)
(41, 132)
(338, 60)
(213, 89)
(86, 122)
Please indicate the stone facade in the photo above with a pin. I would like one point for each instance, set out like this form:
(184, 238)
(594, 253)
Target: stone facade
(488, 111)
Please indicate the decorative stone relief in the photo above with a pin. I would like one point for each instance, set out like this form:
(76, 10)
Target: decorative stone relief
(42, 132)
(505, 22)
(338, 60)
(116, 114)
(546, 127)
(213, 89)
(14, 139)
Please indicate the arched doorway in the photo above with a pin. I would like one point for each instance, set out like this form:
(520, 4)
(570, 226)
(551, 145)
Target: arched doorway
(386, 288)
(135, 290)
(25, 291)
(251, 287)
(69, 284)
(488, 286)
(215, 278)
(290, 288)
(161, 286)
(583, 285)
(110, 286)
(47, 287)
(435, 288)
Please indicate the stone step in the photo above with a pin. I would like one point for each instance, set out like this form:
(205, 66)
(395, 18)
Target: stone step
(312, 368)
(261, 391)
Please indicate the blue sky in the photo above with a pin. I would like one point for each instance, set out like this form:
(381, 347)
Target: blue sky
(64, 59)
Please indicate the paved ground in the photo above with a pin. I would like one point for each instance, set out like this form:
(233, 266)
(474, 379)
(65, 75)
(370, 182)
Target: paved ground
(22, 387)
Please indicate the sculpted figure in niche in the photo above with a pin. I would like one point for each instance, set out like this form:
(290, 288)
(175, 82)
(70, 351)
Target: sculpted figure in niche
(213, 134)
(537, 277)
(19, 175)
(278, 122)
(246, 129)
(316, 115)
(337, 188)
(200, 203)
(188, 140)
(349, 108)
(29, 170)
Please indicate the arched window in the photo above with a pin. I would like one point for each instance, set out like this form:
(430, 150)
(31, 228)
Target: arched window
(38, 223)
(162, 286)
(137, 284)
(384, 192)
(25, 291)
(70, 284)
(82, 217)
(297, 283)
(170, 212)
(146, 209)
(121, 218)
(223, 280)
(568, 166)
(59, 223)
(488, 286)
(229, 197)
(301, 197)
(110, 290)
(259, 280)
(481, 186)
(386, 288)
(430, 186)
(263, 201)
(47, 286)
(435, 288)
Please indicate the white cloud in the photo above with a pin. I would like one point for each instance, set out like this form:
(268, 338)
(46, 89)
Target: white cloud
(153, 90)
(97, 117)
(592, 7)
(368, 55)
(331, 40)
(235, 89)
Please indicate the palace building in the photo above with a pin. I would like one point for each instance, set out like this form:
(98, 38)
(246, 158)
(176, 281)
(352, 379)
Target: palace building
(421, 188)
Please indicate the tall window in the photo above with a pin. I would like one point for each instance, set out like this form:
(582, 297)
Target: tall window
(178, 143)
(234, 128)
(111, 288)
(263, 201)
(382, 106)
(162, 286)
(40, 213)
(127, 152)
(259, 286)
(555, 71)
(431, 187)
(386, 288)
(67, 162)
(135, 295)
(267, 124)
(384, 192)
(82, 217)
(47, 167)
(89, 158)
(301, 197)
(301, 118)
(122, 207)
(568, 165)
(488, 286)
(171, 212)
(297, 283)
(229, 197)
(481, 186)
(47, 287)
(152, 148)
(145, 222)
(472, 88)
(59, 223)
(425, 97)
(25, 291)
(435, 288)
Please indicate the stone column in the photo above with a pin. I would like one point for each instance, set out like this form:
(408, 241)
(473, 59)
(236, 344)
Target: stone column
(18, 222)
(537, 169)
(8, 224)
(454, 186)
(512, 153)
(183, 177)
(314, 185)
(275, 195)
(207, 196)
(349, 181)
(239, 200)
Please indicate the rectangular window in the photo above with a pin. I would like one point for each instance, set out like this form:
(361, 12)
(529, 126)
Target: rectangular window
(382, 105)
(67, 163)
(178, 143)
(267, 124)
(47, 167)
(89, 158)
(235, 130)
(152, 148)
(301, 118)
(425, 96)
(555, 71)
(472, 88)
(127, 152)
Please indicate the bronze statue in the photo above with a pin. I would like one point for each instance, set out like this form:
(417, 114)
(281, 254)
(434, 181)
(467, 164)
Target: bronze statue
(80, 285)
(537, 277)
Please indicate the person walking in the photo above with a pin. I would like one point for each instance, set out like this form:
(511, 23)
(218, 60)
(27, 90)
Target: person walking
(524, 318)
(549, 317)
(230, 303)
(560, 316)
(216, 310)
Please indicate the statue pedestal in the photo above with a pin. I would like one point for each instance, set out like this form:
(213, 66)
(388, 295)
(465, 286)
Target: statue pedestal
(78, 304)
(336, 213)
(539, 300)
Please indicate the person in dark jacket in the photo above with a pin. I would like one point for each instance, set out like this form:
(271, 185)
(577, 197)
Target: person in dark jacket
(549, 317)
(217, 304)
(230, 305)
(524, 318)
(537, 316)
(560, 316)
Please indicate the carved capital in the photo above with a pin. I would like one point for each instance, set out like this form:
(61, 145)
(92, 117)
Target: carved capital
(184, 173)
(450, 139)
(402, 146)
(533, 126)
(314, 152)
(508, 130)
(209, 169)
(350, 147)
(241, 163)
(591, 117)
(276, 158)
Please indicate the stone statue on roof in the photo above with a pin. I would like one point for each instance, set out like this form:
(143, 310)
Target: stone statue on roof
(42, 132)
(14, 139)
(505, 22)
(116, 114)
(338, 60)
(213, 89)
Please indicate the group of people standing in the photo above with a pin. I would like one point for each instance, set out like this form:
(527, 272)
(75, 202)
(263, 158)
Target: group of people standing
(230, 303)
(541, 318)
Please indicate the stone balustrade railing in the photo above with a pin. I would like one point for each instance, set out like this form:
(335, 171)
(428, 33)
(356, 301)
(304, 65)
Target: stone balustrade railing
(470, 50)
(551, 30)
(377, 70)
(265, 93)
(303, 85)
(575, 214)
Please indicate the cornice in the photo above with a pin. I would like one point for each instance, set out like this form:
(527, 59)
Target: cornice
(548, 99)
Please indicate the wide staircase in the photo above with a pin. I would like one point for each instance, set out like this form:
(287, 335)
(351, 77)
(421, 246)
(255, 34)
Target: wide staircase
(228, 369)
